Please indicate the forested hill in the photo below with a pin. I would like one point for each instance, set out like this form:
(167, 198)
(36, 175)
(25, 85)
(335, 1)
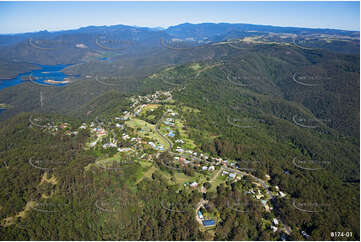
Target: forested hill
(114, 153)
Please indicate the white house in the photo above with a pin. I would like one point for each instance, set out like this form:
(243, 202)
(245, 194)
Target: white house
(211, 168)
(92, 144)
(232, 175)
(275, 221)
(194, 184)
(204, 168)
(108, 145)
(274, 229)
(179, 150)
(282, 194)
(124, 149)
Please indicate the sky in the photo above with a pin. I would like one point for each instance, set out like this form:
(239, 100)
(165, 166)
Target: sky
(20, 17)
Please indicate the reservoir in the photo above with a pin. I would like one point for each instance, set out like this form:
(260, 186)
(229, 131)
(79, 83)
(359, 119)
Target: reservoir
(46, 76)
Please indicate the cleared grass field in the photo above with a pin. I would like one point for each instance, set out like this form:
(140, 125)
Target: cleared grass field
(181, 178)
(189, 144)
(218, 181)
(149, 107)
(137, 123)
(116, 158)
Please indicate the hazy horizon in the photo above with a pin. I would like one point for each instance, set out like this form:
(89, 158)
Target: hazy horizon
(57, 16)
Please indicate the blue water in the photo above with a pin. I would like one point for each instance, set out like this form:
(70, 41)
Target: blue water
(39, 76)
(1, 110)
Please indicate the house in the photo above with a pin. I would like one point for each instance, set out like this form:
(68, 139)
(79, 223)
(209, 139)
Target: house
(264, 202)
(211, 168)
(168, 123)
(194, 184)
(305, 234)
(225, 173)
(179, 141)
(275, 221)
(208, 223)
(204, 168)
(277, 188)
(92, 144)
(186, 162)
(100, 131)
(282, 194)
(109, 145)
(200, 215)
(232, 175)
(124, 149)
(118, 125)
(125, 136)
(180, 150)
(274, 229)
(82, 127)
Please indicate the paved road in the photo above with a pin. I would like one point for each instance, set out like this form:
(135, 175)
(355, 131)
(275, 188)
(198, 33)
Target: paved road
(302, 83)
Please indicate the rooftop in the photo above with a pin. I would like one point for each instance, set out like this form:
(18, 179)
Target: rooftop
(207, 223)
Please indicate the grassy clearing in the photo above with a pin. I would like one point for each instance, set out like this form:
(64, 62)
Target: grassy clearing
(148, 173)
(149, 107)
(218, 181)
(115, 158)
(195, 66)
(181, 178)
(137, 123)
(186, 109)
(189, 144)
